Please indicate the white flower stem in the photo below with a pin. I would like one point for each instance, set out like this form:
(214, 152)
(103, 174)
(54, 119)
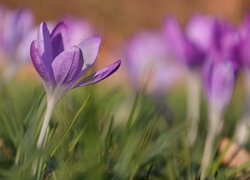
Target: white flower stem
(214, 127)
(50, 108)
(242, 131)
(40, 162)
(193, 104)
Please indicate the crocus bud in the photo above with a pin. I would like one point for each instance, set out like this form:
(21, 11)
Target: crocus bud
(219, 79)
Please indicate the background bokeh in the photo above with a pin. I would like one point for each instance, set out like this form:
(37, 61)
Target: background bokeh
(116, 20)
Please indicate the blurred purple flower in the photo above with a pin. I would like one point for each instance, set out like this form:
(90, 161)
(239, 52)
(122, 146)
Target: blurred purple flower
(219, 80)
(227, 44)
(205, 38)
(78, 29)
(16, 35)
(201, 31)
(186, 47)
(191, 46)
(148, 62)
(61, 65)
(245, 40)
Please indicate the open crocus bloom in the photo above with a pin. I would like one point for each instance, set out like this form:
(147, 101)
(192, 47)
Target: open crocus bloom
(226, 44)
(183, 45)
(62, 65)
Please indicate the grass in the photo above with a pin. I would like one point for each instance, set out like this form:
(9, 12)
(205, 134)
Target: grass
(104, 133)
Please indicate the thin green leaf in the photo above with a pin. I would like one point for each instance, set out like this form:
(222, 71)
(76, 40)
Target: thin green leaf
(71, 125)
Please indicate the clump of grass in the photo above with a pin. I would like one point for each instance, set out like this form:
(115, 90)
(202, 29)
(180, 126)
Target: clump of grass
(88, 138)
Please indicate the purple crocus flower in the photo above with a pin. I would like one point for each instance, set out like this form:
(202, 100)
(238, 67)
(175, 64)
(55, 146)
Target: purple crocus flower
(245, 40)
(16, 35)
(17, 26)
(204, 38)
(62, 65)
(226, 44)
(149, 63)
(219, 79)
(191, 47)
(201, 30)
(184, 46)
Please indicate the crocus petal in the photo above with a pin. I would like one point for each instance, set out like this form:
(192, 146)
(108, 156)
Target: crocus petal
(15, 28)
(245, 38)
(38, 62)
(10, 34)
(60, 39)
(175, 37)
(201, 31)
(90, 48)
(194, 55)
(99, 75)
(44, 43)
(67, 66)
(25, 22)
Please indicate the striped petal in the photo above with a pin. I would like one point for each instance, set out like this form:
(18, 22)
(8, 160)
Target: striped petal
(44, 43)
(67, 66)
(60, 39)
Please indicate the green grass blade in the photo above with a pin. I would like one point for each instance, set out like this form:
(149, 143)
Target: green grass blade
(71, 148)
(109, 134)
(71, 125)
(132, 112)
(217, 162)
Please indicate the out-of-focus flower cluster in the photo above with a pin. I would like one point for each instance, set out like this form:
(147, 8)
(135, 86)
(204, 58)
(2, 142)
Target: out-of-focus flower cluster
(211, 47)
(209, 52)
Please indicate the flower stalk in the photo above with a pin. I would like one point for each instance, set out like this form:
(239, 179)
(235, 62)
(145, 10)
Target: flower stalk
(214, 128)
(49, 110)
(242, 130)
(193, 105)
